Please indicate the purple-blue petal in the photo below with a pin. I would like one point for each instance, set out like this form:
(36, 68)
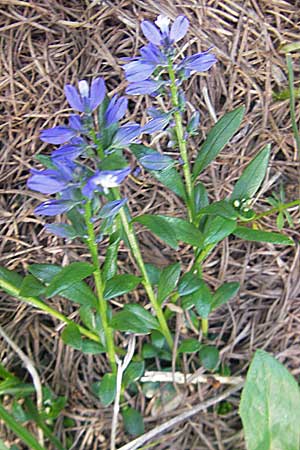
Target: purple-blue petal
(125, 135)
(61, 230)
(69, 151)
(53, 207)
(200, 62)
(111, 208)
(57, 135)
(116, 110)
(74, 98)
(179, 28)
(45, 184)
(151, 32)
(97, 93)
(75, 122)
(143, 87)
(138, 70)
(156, 161)
(156, 124)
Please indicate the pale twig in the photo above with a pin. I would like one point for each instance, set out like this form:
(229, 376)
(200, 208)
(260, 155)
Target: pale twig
(34, 375)
(181, 378)
(208, 104)
(136, 443)
(120, 371)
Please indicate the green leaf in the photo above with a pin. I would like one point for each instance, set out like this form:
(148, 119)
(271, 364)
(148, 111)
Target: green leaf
(72, 337)
(68, 276)
(222, 208)
(149, 351)
(9, 277)
(87, 317)
(217, 138)
(248, 234)
(134, 319)
(44, 272)
(168, 177)
(252, 177)
(216, 229)
(31, 287)
(153, 273)
(168, 281)
(171, 229)
(19, 430)
(209, 357)
(200, 197)
(189, 346)
(158, 339)
(144, 315)
(160, 227)
(110, 265)
(133, 421)
(270, 406)
(119, 285)
(224, 293)
(133, 372)
(188, 284)
(201, 298)
(107, 389)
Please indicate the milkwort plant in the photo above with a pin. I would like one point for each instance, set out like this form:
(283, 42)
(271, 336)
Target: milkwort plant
(83, 178)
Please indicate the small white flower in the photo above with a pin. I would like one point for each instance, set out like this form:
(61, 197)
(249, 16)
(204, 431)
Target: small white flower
(163, 23)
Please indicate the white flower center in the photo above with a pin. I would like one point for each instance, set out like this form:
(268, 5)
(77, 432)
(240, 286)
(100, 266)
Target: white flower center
(163, 23)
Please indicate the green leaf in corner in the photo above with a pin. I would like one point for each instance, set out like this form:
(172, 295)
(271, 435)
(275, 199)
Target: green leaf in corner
(10, 279)
(189, 346)
(224, 293)
(119, 285)
(217, 138)
(107, 389)
(217, 228)
(133, 421)
(270, 406)
(168, 281)
(72, 337)
(252, 177)
(68, 276)
(248, 234)
(133, 372)
(31, 287)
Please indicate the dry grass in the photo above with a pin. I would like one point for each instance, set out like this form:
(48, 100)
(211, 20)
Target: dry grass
(45, 44)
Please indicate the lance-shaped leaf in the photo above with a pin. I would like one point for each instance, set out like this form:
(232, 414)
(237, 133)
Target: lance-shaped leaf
(168, 281)
(106, 389)
(270, 406)
(110, 266)
(156, 161)
(134, 319)
(171, 229)
(119, 285)
(224, 293)
(72, 337)
(218, 228)
(248, 234)
(217, 138)
(221, 208)
(252, 177)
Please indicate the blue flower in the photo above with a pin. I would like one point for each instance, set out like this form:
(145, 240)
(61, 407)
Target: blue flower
(159, 123)
(200, 62)
(110, 209)
(156, 161)
(61, 134)
(61, 230)
(142, 67)
(116, 110)
(70, 151)
(103, 180)
(53, 207)
(144, 87)
(125, 135)
(161, 34)
(86, 99)
(52, 181)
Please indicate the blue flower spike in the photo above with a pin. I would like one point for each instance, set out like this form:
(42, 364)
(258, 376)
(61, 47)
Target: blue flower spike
(103, 180)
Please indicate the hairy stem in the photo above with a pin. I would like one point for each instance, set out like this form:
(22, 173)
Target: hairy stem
(146, 282)
(102, 305)
(181, 142)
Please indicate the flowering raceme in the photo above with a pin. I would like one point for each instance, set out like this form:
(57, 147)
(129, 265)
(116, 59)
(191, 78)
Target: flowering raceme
(72, 182)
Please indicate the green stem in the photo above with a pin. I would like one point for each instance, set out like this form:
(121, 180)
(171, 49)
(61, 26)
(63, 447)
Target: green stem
(271, 211)
(181, 142)
(38, 303)
(146, 282)
(102, 305)
(204, 327)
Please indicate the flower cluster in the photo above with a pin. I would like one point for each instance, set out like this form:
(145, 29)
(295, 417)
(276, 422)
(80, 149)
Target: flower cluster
(67, 175)
(144, 72)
